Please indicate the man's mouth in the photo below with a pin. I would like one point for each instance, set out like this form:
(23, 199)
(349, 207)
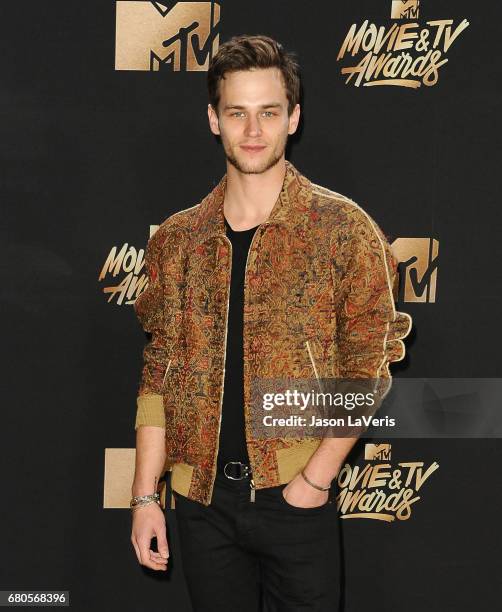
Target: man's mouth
(253, 148)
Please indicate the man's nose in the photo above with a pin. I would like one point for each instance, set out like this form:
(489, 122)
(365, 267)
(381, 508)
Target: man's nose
(253, 126)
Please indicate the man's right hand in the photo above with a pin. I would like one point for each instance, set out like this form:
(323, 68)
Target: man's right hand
(147, 523)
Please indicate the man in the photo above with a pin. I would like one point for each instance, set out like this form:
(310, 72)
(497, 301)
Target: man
(270, 276)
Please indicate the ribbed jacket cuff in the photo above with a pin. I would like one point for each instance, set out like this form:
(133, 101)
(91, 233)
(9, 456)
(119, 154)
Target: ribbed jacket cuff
(150, 411)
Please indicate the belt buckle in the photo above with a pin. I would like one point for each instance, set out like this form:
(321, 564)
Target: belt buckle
(242, 466)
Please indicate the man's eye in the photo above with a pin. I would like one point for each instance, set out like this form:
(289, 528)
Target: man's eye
(237, 114)
(268, 113)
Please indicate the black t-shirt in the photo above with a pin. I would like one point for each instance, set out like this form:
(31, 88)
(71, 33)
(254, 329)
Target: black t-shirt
(232, 444)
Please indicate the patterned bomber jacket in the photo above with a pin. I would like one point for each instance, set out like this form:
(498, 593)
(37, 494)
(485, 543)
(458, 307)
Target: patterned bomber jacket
(318, 300)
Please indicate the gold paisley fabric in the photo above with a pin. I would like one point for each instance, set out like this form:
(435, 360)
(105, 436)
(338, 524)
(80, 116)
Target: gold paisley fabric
(318, 301)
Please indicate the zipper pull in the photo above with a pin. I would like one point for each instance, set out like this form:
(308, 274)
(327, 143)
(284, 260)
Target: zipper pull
(253, 489)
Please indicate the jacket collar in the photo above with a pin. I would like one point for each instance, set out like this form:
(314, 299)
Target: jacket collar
(209, 219)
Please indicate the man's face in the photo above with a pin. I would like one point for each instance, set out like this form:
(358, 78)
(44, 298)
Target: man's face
(253, 119)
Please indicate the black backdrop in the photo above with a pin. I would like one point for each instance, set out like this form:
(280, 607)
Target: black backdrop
(92, 156)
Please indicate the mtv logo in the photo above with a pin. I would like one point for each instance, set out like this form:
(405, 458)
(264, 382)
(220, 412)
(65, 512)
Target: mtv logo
(405, 9)
(417, 267)
(176, 36)
(372, 452)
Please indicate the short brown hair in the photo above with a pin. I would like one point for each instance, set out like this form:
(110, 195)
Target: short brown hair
(246, 52)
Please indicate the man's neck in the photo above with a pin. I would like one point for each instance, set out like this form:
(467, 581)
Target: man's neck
(249, 198)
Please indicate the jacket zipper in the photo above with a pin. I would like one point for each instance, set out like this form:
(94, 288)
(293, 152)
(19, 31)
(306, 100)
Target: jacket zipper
(251, 481)
(251, 484)
(229, 279)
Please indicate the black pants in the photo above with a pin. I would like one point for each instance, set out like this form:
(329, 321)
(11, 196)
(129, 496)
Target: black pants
(268, 555)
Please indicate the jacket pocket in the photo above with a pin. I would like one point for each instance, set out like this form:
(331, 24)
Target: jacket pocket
(165, 373)
(312, 360)
(314, 365)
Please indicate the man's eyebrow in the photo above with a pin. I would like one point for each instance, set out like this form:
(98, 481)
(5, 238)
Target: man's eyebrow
(240, 107)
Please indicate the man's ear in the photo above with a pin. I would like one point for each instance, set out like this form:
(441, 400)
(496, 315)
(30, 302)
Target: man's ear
(214, 123)
(294, 120)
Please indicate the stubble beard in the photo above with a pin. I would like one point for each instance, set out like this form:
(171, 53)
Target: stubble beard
(264, 166)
